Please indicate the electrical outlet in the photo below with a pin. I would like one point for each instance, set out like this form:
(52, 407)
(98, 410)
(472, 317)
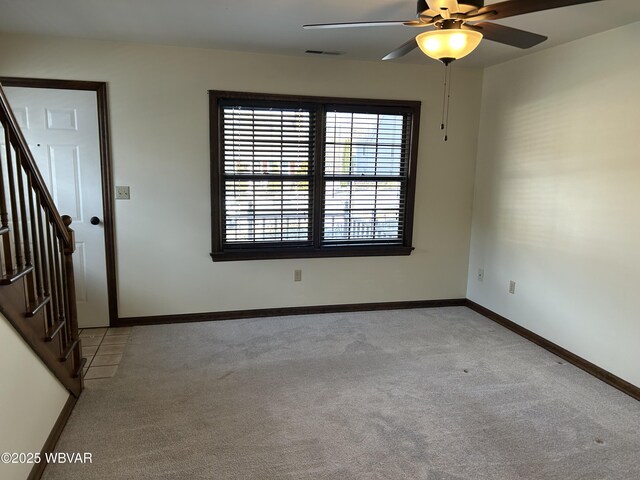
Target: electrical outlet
(512, 287)
(480, 274)
(122, 193)
(297, 275)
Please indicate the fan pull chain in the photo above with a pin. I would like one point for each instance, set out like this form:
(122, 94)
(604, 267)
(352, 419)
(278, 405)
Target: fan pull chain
(446, 97)
(446, 120)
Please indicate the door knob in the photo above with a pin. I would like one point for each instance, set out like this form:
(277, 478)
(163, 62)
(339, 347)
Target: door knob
(95, 221)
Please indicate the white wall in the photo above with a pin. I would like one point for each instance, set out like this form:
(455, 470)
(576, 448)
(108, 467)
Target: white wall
(557, 197)
(31, 400)
(159, 119)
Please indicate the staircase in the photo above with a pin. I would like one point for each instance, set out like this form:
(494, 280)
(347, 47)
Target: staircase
(37, 289)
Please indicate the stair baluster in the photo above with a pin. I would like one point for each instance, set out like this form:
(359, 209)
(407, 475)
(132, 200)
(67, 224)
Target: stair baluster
(26, 237)
(4, 218)
(50, 317)
(39, 297)
(13, 203)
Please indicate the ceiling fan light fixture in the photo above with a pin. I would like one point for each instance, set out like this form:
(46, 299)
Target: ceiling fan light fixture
(448, 45)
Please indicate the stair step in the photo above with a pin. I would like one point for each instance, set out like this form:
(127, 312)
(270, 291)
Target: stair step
(10, 278)
(54, 330)
(36, 306)
(69, 350)
(4, 230)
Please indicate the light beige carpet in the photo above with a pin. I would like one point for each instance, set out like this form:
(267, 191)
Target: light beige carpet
(436, 394)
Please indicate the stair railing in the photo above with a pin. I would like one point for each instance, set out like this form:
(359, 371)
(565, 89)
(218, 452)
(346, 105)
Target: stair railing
(37, 288)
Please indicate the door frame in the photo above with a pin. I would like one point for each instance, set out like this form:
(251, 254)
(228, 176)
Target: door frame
(105, 169)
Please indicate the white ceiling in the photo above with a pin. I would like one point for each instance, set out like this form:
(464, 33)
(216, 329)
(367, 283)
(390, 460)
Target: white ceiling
(276, 25)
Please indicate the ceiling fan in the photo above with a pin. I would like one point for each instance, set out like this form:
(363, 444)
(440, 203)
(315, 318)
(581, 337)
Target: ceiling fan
(455, 29)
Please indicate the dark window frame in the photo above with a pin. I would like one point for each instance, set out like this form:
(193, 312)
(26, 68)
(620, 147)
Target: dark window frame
(218, 98)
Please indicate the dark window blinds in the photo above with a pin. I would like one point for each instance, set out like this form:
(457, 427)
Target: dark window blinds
(365, 173)
(267, 175)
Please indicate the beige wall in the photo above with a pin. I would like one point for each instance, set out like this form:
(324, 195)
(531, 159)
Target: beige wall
(31, 400)
(557, 197)
(159, 119)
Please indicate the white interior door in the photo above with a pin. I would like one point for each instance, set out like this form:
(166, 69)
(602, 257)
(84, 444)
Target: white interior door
(61, 128)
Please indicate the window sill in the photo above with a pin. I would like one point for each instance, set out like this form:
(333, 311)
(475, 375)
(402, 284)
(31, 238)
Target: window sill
(306, 252)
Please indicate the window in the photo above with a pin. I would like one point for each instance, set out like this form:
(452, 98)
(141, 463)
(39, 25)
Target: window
(297, 177)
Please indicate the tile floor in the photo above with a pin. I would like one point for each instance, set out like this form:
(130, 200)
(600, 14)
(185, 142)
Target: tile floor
(103, 349)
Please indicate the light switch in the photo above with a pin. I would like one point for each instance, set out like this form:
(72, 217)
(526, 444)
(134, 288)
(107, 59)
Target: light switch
(122, 193)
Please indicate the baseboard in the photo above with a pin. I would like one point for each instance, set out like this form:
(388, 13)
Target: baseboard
(284, 311)
(52, 439)
(561, 352)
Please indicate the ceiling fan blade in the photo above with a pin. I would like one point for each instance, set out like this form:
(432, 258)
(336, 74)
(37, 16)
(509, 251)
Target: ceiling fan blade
(422, 7)
(402, 50)
(507, 35)
(389, 23)
(478, 17)
(512, 8)
(422, 22)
